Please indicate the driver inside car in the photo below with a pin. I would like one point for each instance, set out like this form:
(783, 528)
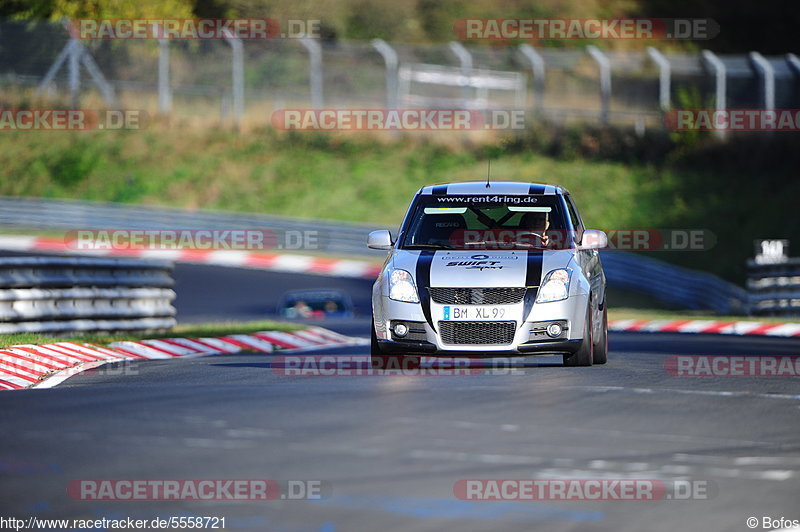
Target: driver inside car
(536, 223)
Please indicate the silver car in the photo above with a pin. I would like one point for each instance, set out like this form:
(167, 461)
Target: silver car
(491, 270)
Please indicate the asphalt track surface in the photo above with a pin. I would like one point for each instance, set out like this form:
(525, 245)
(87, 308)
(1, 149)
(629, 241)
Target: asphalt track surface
(389, 449)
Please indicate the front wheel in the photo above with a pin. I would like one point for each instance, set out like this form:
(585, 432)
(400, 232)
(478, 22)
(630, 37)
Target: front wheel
(601, 345)
(584, 355)
(374, 347)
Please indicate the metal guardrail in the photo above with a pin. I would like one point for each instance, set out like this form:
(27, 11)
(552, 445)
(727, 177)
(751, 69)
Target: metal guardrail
(341, 238)
(690, 289)
(71, 294)
(774, 288)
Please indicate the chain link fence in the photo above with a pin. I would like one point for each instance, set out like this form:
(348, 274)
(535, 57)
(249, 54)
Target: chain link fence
(199, 79)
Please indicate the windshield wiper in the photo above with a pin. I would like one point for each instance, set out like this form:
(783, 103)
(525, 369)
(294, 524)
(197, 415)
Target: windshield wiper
(427, 246)
(523, 245)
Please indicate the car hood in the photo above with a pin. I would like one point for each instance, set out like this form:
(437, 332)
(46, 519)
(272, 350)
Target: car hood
(447, 268)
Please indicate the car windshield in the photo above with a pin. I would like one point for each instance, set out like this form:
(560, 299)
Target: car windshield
(305, 304)
(470, 222)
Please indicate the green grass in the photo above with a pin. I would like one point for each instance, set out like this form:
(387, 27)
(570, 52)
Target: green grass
(212, 329)
(343, 177)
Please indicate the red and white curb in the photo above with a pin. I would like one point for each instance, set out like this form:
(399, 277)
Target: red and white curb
(44, 366)
(280, 262)
(739, 328)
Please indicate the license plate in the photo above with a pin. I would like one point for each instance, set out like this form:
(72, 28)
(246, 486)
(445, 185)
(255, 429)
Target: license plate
(472, 313)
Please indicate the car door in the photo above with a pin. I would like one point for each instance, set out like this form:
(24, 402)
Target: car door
(589, 259)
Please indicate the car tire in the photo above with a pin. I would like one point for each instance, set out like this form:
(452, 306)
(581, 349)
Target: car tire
(584, 355)
(374, 346)
(600, 355)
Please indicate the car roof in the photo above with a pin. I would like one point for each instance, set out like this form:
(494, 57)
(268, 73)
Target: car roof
(495, 187)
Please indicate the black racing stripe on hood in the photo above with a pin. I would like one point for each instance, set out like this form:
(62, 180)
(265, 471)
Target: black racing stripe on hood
(423, 278)
(439, 190)
(536, 189)
(533, 276)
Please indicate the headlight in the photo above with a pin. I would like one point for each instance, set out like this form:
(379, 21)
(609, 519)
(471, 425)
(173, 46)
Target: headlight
(401, 287)
(555, 287)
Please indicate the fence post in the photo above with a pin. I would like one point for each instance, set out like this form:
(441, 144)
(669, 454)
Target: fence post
(767, 74)
(237, 74)
(315, 65)
(390, 58)
(51, 72)
(719, 71)
(465, 58)
(538, 69)
(74, 54)
(74, 73)
(604, 65)
(94, 71)
(164, 92)
(664, 75)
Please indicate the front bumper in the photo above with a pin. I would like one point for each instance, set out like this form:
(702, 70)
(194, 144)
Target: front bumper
(551, 347)
(528, 338)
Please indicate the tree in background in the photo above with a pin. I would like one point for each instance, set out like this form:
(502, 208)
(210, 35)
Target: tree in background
(56, 9)
(768, 26)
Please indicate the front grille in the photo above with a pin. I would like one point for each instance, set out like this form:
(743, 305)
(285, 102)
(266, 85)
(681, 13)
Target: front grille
(477, 332)
(476, 296)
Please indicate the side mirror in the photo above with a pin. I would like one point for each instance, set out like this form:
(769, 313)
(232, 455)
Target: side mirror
(594, 239)
(381, 239)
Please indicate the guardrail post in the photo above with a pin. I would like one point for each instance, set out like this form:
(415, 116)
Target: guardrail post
(767, 74)
(164, 92)
(465, 58)
(664, 75)
(538, 70)
(720, 73)
(237, 74)
(315, 65)
(390, 58)
(604, 65)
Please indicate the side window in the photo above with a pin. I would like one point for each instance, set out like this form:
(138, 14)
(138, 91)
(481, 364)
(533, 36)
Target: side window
(577, 222)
